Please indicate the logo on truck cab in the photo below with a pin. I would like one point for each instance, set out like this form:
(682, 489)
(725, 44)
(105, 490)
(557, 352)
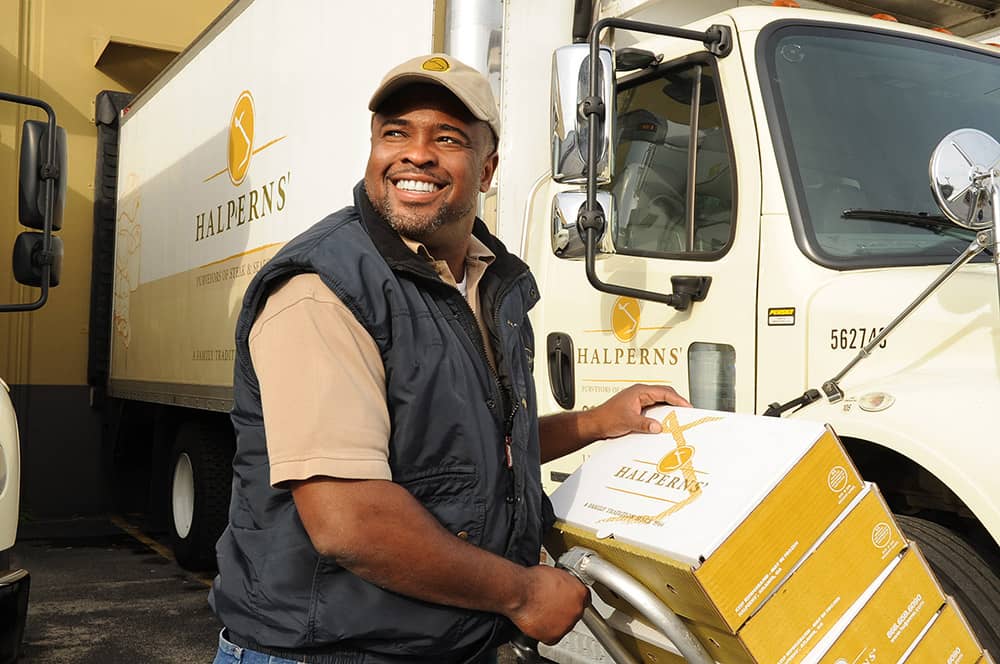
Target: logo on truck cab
(625, 326)
(625, 318)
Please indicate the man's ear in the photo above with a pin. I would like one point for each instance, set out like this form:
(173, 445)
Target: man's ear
(489, 168)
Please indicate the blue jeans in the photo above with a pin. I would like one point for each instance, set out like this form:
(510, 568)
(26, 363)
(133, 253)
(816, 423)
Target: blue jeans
(230, 653)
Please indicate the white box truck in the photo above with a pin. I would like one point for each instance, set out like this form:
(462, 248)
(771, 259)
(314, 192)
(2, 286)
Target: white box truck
(726, 192)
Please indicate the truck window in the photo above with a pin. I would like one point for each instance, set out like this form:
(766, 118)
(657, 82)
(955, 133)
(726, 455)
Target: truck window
(855, 116)
(654, 152)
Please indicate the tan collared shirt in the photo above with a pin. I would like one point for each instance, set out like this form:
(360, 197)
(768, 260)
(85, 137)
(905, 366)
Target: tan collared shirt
(322, 382)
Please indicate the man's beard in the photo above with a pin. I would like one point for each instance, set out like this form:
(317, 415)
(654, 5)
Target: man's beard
(421, 225)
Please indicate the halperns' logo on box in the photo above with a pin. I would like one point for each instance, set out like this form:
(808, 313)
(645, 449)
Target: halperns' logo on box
(671, 479)
(257, 200)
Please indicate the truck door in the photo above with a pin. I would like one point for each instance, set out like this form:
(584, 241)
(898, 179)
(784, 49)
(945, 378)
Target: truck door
(596, 343)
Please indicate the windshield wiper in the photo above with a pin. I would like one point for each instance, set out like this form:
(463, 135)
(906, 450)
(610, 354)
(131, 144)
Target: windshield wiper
(935, 223)
(932, 222)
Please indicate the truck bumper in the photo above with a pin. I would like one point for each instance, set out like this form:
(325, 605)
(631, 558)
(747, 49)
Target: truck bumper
(13, 612)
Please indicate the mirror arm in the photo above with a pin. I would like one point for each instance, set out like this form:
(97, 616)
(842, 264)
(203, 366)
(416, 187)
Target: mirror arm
(49, 171)
(43, 297)
(718, 39)
(995, 187)
(983, 240)
(680, 301)
(590, 221)
(692, 174)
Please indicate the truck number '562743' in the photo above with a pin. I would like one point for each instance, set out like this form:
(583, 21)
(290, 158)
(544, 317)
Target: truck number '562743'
(843, 338)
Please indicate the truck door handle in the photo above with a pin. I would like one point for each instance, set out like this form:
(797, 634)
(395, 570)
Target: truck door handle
(561, 379)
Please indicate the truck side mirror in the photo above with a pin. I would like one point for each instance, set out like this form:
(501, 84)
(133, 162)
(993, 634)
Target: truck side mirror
(567, 242)
(570, 136)
(37, 259)
(962, 172)
(28, 259)
(34, 171)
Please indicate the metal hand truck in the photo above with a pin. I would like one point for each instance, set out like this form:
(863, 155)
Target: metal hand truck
(590, 568)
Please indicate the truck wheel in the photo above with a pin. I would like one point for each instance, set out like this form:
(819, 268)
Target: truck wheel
(199, 487)
(963, 575)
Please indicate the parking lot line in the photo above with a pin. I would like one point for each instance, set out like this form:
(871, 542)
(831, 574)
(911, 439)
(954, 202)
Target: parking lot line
(161, 550)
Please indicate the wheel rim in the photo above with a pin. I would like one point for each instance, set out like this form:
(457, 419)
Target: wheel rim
(182, 495)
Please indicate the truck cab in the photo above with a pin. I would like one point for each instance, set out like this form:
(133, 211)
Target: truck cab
(767, 213)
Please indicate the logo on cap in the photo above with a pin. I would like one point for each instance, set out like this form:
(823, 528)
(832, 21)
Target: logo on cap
(436, 64)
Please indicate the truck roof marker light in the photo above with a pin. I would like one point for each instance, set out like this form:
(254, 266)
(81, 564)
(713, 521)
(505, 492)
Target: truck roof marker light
(938, 28)
(886, 17)
(785, 3)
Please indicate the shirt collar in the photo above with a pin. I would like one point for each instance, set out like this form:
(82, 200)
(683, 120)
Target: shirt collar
(477, 251)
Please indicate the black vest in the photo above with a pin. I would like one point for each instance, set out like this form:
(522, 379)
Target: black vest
(451, 415)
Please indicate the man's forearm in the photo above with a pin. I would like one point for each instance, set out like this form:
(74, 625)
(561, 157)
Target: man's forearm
(380, 532)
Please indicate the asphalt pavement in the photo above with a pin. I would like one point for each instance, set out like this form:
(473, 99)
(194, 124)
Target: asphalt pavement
(106, 589)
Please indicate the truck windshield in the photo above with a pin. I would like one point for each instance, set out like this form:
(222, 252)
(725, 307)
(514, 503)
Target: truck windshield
(855, 116)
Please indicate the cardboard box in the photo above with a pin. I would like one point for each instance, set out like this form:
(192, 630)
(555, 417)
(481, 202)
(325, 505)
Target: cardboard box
(712, 514)
(947, 639)
(888, 618)
(858, 556)
(827, 583)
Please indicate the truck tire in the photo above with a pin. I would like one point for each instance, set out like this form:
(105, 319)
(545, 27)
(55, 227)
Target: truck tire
(963, 574)
(199, 484)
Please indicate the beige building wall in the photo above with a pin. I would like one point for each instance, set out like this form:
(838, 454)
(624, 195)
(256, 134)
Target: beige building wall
(65, 52)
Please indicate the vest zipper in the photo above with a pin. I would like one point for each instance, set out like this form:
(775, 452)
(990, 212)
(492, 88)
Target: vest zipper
(471, 326)
(509, 451)
(509, 420)
(508, 439)
(508, 403)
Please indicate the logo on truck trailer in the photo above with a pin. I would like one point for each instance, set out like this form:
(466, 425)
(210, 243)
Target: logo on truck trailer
(259, 201)
(241, 138)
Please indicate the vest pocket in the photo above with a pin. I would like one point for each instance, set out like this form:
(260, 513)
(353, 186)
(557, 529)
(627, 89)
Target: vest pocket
(451, 495)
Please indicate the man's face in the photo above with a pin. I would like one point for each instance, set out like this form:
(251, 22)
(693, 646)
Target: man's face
(429, 160)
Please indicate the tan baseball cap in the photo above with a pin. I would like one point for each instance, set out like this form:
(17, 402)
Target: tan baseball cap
(466, 83)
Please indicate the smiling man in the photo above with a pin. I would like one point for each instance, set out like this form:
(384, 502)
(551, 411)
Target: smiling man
(387, 502)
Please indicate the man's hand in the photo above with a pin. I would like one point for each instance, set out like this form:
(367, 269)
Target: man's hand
(554, 602)
(621, 414)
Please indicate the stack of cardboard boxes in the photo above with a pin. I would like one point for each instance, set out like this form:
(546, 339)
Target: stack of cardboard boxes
(761, 534)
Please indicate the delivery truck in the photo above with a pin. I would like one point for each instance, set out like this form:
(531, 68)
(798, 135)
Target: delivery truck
(764, 176)
(36, 264)
(725, 266)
